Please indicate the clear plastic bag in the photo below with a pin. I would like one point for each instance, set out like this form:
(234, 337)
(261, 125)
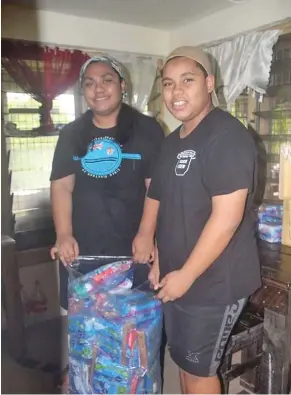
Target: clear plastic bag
(115, 327)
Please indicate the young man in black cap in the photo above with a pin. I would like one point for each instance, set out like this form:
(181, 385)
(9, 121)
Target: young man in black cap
(201, 199)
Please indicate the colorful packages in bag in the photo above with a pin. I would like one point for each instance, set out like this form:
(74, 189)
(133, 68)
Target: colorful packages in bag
(270, 230)
(271, 210)
(115, 331)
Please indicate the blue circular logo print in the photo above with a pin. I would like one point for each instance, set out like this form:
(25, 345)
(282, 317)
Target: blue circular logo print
(103, 158)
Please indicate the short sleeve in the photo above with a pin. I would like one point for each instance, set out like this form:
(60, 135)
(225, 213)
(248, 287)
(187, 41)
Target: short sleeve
(155, 137)
(63, 164)
(154, 191)
(158, 177)
(229, 162)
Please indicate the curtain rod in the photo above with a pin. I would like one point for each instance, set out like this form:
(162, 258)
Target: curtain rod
(83, 49)
(284, 26)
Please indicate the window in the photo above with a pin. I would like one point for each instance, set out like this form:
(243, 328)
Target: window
(154, 105)
(240, 108)
(23, 111)
(31, 152)
(271, 117)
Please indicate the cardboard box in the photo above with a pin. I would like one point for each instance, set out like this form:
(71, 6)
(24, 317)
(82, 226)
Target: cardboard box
(286, 231)
(285, 171)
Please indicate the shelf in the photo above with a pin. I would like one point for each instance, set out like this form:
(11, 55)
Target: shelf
(276, 137)
(23, 110)
(273, 158)
(20, 110)
(274, 114)
(280, 65)
(272, 180)
(280, 90)
(29, 134)
(272, 201)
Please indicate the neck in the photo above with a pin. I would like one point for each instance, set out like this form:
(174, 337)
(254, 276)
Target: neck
(106, 121)
(191, 125)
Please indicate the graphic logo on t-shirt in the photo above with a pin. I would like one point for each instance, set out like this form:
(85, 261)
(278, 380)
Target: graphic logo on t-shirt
(184, 160)
(104, 157)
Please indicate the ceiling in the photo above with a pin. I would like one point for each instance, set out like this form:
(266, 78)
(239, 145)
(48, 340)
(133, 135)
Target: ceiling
(160, 14)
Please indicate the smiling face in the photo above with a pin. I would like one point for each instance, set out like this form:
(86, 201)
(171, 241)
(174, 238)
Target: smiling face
(186, 89)
(102, 89)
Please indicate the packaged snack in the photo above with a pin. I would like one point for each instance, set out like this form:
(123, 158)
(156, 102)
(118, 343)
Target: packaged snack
(115, 330)
(272, 210)
(270, 230)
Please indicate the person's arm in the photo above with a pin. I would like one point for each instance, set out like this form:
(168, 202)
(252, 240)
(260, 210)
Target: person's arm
(147, 183)
(229, 177)
(61, 200)
(227, 214)
(143, 243)
(149, 219)
(154, 274)
(62, 186)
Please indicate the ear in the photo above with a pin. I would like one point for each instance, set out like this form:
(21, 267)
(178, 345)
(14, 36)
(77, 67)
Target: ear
(123, 86)
(210, 81)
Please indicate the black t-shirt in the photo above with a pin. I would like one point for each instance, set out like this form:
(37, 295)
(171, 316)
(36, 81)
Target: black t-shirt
(218, 158)
(109, 187)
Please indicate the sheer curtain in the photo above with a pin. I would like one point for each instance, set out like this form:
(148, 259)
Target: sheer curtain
(140, 71)
(243, 62)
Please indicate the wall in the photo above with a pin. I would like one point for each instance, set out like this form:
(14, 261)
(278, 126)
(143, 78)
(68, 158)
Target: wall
(231, 21)
(73, 31)
(67, 30)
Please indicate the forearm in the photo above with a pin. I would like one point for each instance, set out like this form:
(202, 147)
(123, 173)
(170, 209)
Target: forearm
(61, 199)
(214, 238)
(156, 261)
(149, 219)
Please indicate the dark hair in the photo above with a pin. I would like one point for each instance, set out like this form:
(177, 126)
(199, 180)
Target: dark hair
(82, 135)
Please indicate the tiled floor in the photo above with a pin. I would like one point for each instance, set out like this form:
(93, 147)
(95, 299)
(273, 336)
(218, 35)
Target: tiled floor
(17, 379)
(20, 380)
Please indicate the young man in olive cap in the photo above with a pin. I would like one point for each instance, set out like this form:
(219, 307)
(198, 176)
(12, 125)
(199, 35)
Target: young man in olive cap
(201, 199)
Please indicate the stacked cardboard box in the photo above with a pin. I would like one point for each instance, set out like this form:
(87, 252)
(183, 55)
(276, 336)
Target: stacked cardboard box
(285, 191)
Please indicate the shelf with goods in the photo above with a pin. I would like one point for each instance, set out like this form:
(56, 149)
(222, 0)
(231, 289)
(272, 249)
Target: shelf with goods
(272, 118)
(7, 218)
(285, 190)
(273, 115)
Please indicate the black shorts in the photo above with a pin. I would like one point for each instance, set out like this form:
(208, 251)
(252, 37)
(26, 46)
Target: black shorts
(197, 335)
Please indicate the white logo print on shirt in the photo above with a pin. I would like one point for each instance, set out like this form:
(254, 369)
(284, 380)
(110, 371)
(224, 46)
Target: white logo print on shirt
(184, 160)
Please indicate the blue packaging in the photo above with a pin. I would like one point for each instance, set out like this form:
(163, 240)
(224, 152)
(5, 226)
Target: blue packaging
(272, 210)
(270, 230)
(115, 332)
